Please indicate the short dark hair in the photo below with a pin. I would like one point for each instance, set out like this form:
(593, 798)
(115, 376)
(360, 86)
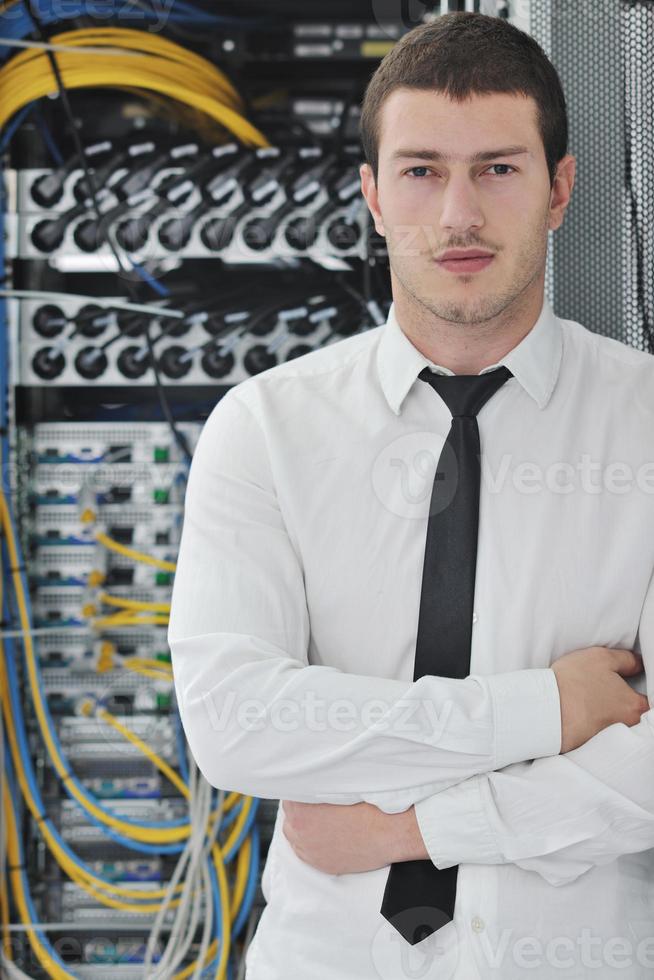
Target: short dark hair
(464, 54)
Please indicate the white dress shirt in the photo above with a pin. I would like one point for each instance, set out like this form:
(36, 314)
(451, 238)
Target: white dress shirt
(293, 630)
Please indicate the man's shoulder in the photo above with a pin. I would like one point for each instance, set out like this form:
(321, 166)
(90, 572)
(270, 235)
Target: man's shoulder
(606, 351)
(323, 362)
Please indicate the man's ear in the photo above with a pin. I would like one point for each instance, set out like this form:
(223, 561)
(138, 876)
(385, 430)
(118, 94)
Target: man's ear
(369, 191)
(561, 190)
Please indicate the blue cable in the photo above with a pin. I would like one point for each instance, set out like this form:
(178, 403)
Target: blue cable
(245, 830)
(11, 128)
(217, 906)
(48, 138)
(140, 847)
(182, 761)
(251, 886)
(15, 23)
(30, 776)
(150, 280)
(88, 795)
(13, 792)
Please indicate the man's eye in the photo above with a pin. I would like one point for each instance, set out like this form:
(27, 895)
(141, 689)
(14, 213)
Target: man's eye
(492, 166)
(506, 165)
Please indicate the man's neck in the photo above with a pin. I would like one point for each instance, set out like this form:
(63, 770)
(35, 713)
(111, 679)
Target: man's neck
(466, 348)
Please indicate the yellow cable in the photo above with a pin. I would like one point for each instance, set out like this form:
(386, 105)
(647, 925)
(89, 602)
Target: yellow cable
(60, 855)
(4, 904)
(163, 67)
(149, 753)
(121, 549)
(120, 622)
(121, 603)
(4, 894)
(77, 874)
(230, 800)
(150, 835)
(83, 879)
(134, 663)
(151, 672)
(50, 966)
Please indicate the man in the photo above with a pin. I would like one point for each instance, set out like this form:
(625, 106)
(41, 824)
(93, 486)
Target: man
(298, 591)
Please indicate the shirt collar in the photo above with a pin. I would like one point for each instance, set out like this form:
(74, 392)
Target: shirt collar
(534, 362)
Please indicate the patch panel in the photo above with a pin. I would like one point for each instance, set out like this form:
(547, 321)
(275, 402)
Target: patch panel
(64, 606)
(112, 484)
(263, 205)
(58, 565)
(139, 528)
(69, 903)
(77, 648)
(95, 749)
(345, 40)
(147, 785)
(73, 822)
(120, 970)
(212, 347)
(65, 689)
(99, 443)
(143, 788)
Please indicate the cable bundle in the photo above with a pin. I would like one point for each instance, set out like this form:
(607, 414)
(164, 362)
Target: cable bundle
(126, 58)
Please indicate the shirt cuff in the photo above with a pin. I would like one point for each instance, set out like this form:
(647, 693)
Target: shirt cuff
(526, 714)
(455, 828)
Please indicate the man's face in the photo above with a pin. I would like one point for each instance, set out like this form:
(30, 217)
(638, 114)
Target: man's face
(503, 204)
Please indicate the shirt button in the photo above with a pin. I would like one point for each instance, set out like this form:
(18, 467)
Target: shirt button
(477, 924)
(475, 617)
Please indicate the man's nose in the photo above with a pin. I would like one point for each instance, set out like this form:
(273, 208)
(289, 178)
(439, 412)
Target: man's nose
(460, 207)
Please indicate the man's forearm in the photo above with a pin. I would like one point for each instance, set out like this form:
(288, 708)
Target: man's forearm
(341, 839)
(405, 841)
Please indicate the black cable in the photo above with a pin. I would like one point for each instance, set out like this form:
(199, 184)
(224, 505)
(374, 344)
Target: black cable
(79, 149)
(633, 213)
(163, 401)
(351, 100)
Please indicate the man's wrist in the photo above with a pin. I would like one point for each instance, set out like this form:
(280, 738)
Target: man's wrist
(402, 832)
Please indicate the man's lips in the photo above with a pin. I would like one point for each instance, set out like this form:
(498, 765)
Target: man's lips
(465, 265)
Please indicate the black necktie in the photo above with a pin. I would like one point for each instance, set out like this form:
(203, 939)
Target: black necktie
(419, 897)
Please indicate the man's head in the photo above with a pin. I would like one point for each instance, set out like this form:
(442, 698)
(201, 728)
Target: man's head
(463, 85)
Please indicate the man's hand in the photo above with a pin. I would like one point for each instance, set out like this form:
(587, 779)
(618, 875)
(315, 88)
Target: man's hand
(345, 839)
(594, 694)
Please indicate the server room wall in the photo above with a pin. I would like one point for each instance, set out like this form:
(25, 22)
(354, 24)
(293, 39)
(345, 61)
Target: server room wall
(181, 209)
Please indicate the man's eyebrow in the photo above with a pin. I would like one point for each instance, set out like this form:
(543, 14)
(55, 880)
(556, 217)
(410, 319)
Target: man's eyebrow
(481, 157)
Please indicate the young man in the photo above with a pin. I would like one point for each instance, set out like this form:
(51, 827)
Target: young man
(303, 574)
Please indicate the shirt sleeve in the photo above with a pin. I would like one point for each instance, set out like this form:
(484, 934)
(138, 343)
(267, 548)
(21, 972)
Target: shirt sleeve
(259, 718)
(562, 815)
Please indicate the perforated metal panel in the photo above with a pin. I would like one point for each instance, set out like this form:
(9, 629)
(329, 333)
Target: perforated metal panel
(601, 261)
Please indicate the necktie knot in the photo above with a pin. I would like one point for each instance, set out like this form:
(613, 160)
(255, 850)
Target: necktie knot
(466, 394)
